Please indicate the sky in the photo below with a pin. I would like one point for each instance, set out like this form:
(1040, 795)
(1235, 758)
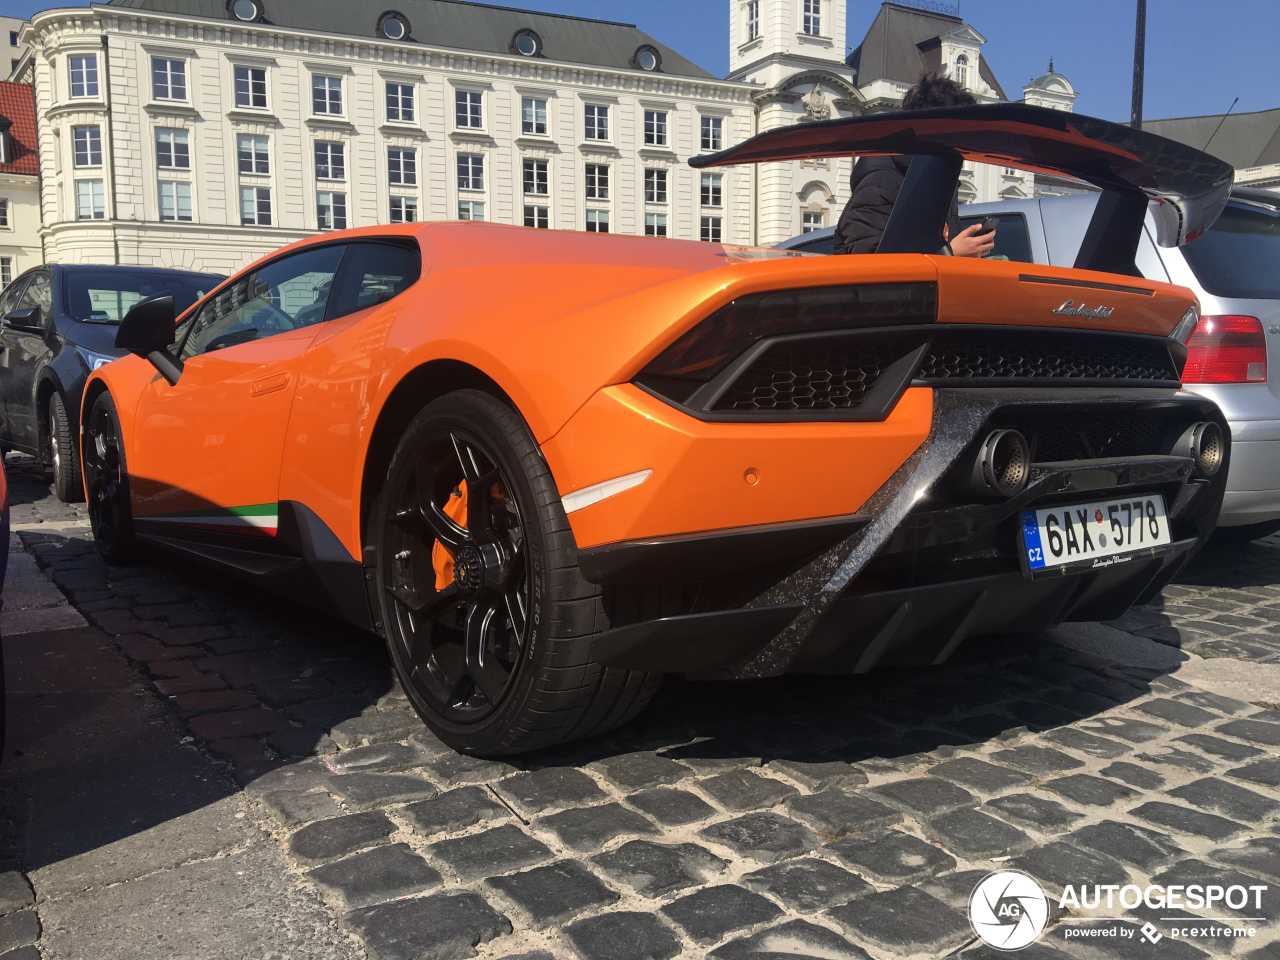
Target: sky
(1201, 54)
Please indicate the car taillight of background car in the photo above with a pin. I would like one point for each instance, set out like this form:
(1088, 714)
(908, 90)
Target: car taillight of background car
(1226, 349)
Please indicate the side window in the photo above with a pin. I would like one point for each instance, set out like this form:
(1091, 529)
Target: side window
(9, 299)
(39, 293)
(282, 296)
(373, 273)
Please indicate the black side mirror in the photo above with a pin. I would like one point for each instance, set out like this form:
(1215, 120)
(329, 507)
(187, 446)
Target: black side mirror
(24, 317)
(147, 330)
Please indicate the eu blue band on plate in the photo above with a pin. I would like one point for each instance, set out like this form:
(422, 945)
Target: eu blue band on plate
(1031, 538)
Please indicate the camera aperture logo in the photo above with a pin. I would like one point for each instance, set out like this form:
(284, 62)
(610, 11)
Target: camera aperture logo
(1008, 910)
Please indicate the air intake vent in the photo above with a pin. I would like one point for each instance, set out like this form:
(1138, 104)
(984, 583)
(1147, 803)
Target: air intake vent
(812, 375)
(1025, 355)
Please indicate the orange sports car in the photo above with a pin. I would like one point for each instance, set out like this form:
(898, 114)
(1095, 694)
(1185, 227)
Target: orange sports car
(549, 467)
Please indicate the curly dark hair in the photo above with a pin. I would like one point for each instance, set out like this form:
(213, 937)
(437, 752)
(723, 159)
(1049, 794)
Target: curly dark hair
(935, 90)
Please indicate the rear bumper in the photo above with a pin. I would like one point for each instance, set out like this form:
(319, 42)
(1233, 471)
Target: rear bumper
(1253, 486)
(916, 569)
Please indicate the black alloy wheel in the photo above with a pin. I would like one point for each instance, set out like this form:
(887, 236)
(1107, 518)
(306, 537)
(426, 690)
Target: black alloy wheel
(107, 482)
(495, 654)
(63, 456)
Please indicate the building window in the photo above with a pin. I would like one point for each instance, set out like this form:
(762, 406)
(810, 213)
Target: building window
(470, 171)
(87, 142)
(13, 38)
(326, 95)
(255, 206)
(712, 128)
(168, 79)
(175, 200)
(467, 109)
(252, 152)
(404, 209)
(331, 162)
(400, 102)
(90, 202)
(753, 20)
(711, 229)
(535, 177)
(4, 212)
(655, 224)
(533, 115)
(655, 128)
(597, 221)
(331, 210)
(6, 271)
(812, 17)
(402, 165)
(962, 70)
(655, 186)
(597, 122)
(251, 87)
(84, 76)
(811, 222)
(470, 210)
(711, 190)
(173, 151)
(597, 181)
(537, 217)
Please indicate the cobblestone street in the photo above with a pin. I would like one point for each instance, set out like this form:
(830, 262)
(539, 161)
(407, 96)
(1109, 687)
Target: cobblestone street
(239, 778)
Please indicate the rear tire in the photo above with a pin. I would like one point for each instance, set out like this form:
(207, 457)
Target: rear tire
(1246, 532)
(63, 456)
(498, 660)
(106, 474)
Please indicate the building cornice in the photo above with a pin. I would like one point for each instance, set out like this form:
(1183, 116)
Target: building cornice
(51, 28)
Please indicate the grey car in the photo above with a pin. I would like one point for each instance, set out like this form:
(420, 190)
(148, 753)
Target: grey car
(1234, 352)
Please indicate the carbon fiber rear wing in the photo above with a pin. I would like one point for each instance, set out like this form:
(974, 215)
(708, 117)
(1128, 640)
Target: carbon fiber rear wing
(1131, 167)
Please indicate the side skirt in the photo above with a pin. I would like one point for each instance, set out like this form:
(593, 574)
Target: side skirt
(304, 561)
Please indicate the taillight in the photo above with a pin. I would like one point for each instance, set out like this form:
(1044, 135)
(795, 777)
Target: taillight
(1226, 350)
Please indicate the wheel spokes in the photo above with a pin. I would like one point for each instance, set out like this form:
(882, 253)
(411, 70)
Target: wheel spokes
(447, 599)
(479, 489)
(479, 665)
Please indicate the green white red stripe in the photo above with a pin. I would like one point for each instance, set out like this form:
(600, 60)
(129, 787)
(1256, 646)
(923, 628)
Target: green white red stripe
(257, 520)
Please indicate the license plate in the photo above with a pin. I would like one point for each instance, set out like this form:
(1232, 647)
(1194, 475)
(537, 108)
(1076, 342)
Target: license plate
(1094, 535)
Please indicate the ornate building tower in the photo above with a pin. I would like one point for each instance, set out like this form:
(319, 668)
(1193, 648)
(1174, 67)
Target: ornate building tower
(794, 51)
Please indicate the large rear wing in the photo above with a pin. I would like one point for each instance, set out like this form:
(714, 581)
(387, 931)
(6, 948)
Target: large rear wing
(1131, 167)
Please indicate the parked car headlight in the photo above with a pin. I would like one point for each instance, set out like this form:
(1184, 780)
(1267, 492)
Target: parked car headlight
(93, 360)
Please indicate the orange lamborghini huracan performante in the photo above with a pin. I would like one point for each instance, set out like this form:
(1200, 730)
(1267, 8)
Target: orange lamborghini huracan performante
(549, 467)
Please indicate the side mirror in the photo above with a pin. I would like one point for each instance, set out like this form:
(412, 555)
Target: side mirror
(24, 317)
(147, 330)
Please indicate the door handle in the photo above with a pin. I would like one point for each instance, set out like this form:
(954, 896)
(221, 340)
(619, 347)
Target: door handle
(272, 384)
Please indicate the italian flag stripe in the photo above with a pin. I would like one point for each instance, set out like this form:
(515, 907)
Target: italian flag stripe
(259, 519)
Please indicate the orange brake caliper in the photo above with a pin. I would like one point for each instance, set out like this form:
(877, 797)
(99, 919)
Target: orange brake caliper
(441, 556)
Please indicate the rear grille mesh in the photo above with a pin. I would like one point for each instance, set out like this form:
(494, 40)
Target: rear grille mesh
(1092, 439)
(835, 373)
(1046, 357)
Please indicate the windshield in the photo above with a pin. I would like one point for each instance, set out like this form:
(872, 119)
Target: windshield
(105, 296)
(1239, 256)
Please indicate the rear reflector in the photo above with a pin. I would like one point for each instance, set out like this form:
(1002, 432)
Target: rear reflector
(1226, 350)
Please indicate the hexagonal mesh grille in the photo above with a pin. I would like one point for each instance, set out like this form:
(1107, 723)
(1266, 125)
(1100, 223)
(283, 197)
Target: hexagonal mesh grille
(1026, 356)
(811, 375)
(1092, 439)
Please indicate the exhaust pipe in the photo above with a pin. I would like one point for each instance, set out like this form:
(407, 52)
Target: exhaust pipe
(1204, 444)
(1003, 465)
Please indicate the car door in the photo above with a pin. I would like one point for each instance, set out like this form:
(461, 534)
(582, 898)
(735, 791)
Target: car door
(206, 451)
(8, 303)
(26, 351)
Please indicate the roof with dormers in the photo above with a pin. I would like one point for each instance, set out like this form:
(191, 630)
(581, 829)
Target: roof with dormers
(17, 105)
(1244, 139)
(457, 24)
(902, 43)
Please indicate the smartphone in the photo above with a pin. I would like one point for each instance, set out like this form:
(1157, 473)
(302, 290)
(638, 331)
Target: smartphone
(989, 225)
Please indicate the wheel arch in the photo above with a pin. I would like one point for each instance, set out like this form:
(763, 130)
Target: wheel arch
(92, 390)
(416, 389)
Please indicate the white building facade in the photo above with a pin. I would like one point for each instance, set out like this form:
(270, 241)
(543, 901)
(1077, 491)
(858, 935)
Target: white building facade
(202, 134)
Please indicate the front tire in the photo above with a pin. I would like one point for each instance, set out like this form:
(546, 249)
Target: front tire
(492, 644)
(68, 484)
(107, 483)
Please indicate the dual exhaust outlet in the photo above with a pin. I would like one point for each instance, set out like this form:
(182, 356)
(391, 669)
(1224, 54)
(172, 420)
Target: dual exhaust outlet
(1002, 466)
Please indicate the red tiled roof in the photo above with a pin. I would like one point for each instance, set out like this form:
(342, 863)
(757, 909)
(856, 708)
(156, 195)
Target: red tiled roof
(17, 103)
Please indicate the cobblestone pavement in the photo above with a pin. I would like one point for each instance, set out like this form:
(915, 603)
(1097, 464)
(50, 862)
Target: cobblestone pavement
(819, 817)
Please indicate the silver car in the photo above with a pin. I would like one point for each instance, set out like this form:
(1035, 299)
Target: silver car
(1233, 353)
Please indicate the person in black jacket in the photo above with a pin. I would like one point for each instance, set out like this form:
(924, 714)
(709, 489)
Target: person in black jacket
(876, 181)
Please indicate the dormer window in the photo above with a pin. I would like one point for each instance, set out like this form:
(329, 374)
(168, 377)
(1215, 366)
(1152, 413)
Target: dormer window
(393, 26)
(6, 143)
(962, 70)
(647, 58)
(526, 43)
(246, 11)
